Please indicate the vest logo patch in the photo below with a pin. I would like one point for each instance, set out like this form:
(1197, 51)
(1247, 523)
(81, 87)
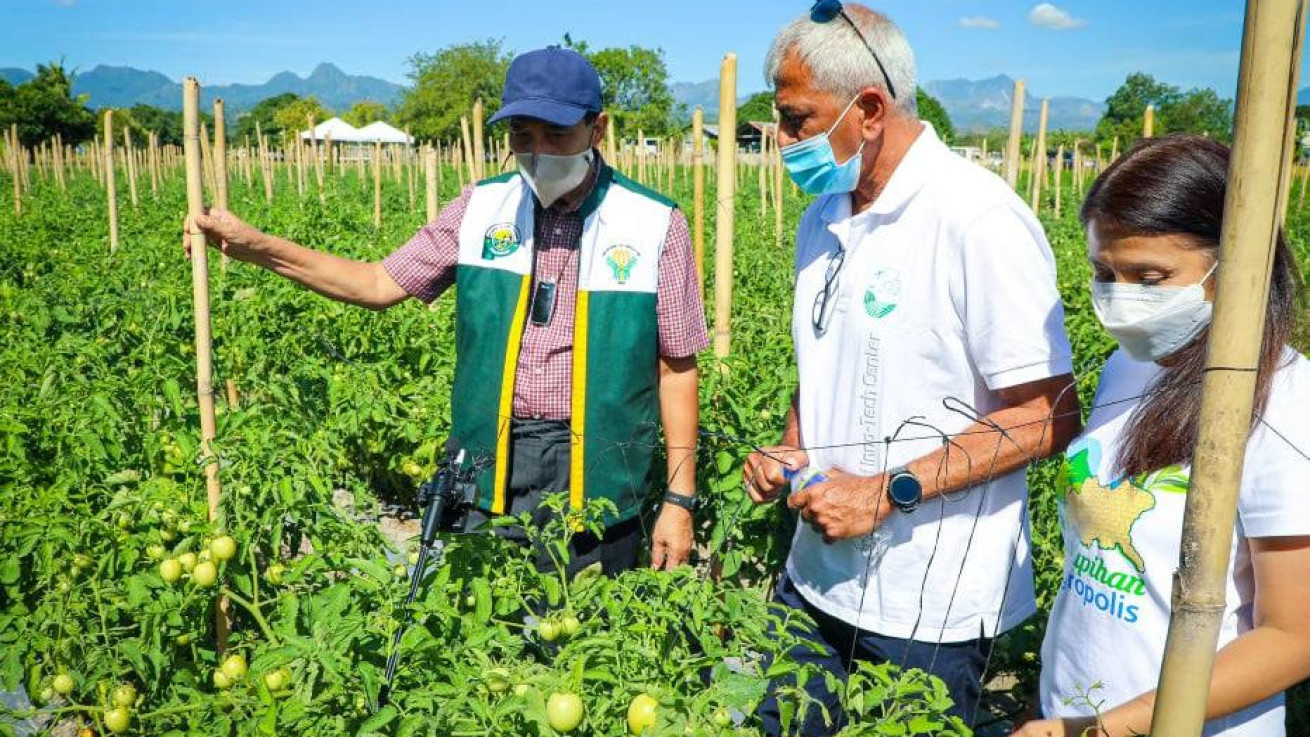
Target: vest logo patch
(621, 259)
(500, 240)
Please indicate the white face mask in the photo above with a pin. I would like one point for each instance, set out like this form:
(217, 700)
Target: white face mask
(1151, 322)
(551, 176)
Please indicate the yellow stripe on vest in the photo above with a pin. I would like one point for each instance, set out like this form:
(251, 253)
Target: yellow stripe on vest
(578, 410)
(506, 412)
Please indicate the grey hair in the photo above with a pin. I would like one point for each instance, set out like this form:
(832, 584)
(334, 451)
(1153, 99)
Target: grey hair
(838, 59)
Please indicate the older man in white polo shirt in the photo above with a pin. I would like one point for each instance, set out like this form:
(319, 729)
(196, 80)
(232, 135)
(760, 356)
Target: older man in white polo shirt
(922, 283)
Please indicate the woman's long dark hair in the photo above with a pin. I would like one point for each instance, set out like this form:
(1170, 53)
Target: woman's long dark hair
(1175, 186)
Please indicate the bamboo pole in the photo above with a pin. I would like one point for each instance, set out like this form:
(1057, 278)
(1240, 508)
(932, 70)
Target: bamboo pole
(470, 164)
(154, 165)
(776, 165)
(1013, 153)
(1059, 172)
(1039, 158)
(1148, 122)
(129, 155)
(698, 188)
(318, 162)
(726, 197)
(1250, 224)
(191, 140)
(479, 154)
(110, 185)
(60, 175)
(430, 172)
(246, 163)
(265, 163)
(207, 157)
(377, 184)
(14, 153)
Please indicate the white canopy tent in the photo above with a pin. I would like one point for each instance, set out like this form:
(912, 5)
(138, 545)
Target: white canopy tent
(381, 132)
(337, 129)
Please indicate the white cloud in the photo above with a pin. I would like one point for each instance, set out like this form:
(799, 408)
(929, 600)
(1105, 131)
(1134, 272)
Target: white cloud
(1046, 15)
(979, 21)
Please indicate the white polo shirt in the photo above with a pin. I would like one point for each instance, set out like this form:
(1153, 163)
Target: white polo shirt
(947, 290)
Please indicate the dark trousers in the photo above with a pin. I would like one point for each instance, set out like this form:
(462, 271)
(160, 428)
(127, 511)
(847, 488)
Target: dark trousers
(959, 664)
(539, 465)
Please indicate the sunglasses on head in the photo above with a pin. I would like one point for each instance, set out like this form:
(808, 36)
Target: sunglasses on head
(824, 11)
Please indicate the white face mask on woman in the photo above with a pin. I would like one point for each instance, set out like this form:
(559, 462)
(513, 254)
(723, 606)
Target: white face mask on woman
(551, 176)
(1151, 322)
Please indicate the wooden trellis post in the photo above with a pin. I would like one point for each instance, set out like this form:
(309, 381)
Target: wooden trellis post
(698, 187)
(191, 139)
(1013, 153)
(726, 198)
(110, 185)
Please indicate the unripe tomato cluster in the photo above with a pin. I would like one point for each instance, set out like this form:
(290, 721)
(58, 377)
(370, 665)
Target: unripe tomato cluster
(203, 567)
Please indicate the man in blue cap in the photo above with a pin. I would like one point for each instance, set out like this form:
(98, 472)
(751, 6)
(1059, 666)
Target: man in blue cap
(578, 318)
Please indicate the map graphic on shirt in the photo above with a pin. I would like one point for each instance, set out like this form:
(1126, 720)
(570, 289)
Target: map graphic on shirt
(1104, 515)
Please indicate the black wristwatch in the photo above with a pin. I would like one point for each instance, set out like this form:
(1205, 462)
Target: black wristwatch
(904, 489)
(686, 501)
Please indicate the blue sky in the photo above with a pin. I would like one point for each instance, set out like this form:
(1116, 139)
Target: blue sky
(1074, 47)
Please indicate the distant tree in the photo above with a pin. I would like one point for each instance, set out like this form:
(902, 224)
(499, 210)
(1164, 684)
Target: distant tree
(364, 112)
(265, 113)
(932, 111)
(294, 117)
(635, 89)
(759, 107)
(1194, 111)
(446, 84)
(44, 106)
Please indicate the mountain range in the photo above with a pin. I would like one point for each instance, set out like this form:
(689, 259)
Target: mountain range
(974, 105)
(110, 86)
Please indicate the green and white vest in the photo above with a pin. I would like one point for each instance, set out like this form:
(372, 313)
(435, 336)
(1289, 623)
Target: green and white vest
(615, 344)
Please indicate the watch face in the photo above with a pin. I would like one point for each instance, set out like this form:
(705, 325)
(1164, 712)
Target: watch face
(905, 489)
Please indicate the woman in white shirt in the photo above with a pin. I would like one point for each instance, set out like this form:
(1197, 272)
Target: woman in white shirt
(1152, 222)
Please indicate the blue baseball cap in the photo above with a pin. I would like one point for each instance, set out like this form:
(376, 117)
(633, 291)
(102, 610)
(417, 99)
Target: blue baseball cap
(552, 84)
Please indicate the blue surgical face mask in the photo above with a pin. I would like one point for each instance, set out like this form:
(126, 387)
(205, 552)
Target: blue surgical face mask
(813, 165)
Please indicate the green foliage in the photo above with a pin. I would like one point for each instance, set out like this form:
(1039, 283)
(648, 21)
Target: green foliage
(166, 124)
(1199, 111)
(446, 84)
(758, 108)
(364, 112)
(634, 88)
(295, 116)
(931, 110)
(265, 115)
(44, 106)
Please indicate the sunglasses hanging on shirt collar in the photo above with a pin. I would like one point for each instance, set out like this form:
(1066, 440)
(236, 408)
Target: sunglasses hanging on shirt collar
(824, 11)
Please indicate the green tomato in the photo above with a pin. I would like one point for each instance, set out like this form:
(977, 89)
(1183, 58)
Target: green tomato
(234, 666)
(521, 689)
(221, 680)
(223, 548)
(641, 714)
(413, 558)
(275, 680)
(124, 695)
(155, 551)
(400, 571)
(497, 680)
(125, 520)
(188, 561)
(118, 719)
(63, 684)
(721, 717)
(46, 696)
(183, 639)
(168, 535)
(569, 625)
(204, 575)
(81, 561)
(275, 572)
(549, 630)
(564, 712)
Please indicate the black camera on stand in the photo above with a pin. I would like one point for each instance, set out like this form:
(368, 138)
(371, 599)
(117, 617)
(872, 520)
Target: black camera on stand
(447, 498)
